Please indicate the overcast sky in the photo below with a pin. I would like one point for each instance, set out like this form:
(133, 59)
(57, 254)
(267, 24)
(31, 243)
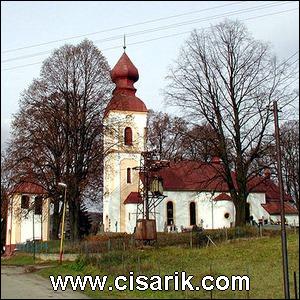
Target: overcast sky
(155, 32)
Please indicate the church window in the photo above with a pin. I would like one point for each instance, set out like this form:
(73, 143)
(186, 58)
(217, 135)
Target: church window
(192, 213)
(38, 205)
(25, 202)
(128, 175)
(170, 213)
(128, 136)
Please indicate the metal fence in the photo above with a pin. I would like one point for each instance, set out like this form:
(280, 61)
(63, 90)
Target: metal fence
(107, 242)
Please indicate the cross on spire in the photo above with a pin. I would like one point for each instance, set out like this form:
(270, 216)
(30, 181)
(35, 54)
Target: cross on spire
(124, 44)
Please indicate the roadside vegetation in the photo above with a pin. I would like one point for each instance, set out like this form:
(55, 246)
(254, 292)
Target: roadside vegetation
(259, 258)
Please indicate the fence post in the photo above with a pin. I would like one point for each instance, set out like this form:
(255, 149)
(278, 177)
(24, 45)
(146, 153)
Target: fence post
(260, 230)
(85, 248)
(139, 265)
(191, 239)
(295, 285)
(210, 273)
(108, 245)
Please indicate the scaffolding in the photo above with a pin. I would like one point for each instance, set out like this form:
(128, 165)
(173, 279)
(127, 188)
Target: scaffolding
(151, 193)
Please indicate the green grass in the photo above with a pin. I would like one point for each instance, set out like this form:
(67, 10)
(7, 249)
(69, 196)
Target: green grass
(20, 259)
(258, 258)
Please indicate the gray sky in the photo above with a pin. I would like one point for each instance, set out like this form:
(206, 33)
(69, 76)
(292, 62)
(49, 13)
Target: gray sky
(152, 44)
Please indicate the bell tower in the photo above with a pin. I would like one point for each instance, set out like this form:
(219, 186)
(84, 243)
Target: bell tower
(125, 120)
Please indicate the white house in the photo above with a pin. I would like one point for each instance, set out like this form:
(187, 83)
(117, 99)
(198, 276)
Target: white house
(195, 193)
(27, 215)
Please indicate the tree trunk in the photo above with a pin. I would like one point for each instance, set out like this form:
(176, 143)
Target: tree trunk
(240, 208)
(74, 210)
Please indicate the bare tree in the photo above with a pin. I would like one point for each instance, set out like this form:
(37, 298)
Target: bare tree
(58, 131)
(175, 139)
(5, 187)
(289, 137)
(165, 134)
(228, 79)
(199, 143)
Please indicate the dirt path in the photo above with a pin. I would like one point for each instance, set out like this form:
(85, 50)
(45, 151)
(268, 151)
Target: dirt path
(16, 284)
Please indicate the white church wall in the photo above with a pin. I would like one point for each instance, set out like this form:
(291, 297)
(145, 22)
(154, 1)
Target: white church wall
(111, 205)
(210, 214)
(181, 214)
(291, 219)
(116, 122)
(256, 210)
(24, 225)
(213, 212)
(130, 217)
(113, 210)
(224, 214)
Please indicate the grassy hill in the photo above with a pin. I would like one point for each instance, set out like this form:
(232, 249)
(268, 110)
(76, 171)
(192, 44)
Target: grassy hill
(259, 258)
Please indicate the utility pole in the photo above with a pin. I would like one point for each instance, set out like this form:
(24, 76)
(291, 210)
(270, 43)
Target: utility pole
(282, 215)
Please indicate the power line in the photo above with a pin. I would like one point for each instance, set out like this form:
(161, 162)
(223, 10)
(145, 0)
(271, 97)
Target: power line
(122, 27)
(174, 25)
(158, 38)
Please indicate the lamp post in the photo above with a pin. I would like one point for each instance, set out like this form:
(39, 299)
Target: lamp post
(63, 223)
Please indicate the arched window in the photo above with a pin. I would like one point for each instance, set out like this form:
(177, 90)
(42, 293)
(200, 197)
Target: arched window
(192, 213)
(128, 175)
(170, 217)
(128, 136)
(25, 202)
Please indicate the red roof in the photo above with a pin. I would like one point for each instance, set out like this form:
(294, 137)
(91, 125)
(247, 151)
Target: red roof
(28, 188)
(273, 208)
(125, 102)
(223, 197)
(193, 176)
(133, 198)
(199, 176)
(124, 75)
(124, 68)
(265, 185)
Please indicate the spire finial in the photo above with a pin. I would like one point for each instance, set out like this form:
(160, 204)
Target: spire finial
(124, 45)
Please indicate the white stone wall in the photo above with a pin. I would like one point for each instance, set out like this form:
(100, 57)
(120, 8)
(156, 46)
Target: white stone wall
(130, 217)
(23, 224)
(255, 201)
(209, 213)
(116, 152)
(291, 219)
(111, 195)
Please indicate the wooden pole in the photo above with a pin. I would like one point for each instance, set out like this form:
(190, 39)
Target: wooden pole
(282, 215)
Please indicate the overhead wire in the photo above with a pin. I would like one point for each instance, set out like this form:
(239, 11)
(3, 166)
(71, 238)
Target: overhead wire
(153, 39)
(174, 25)
(122, 27)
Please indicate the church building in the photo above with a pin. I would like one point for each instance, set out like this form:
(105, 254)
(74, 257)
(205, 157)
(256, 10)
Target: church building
(195, 194)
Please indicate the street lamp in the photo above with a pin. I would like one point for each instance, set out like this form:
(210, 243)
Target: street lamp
(63, 223)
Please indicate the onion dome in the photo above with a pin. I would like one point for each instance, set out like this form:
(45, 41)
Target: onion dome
(124, 75)
(124, 69)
